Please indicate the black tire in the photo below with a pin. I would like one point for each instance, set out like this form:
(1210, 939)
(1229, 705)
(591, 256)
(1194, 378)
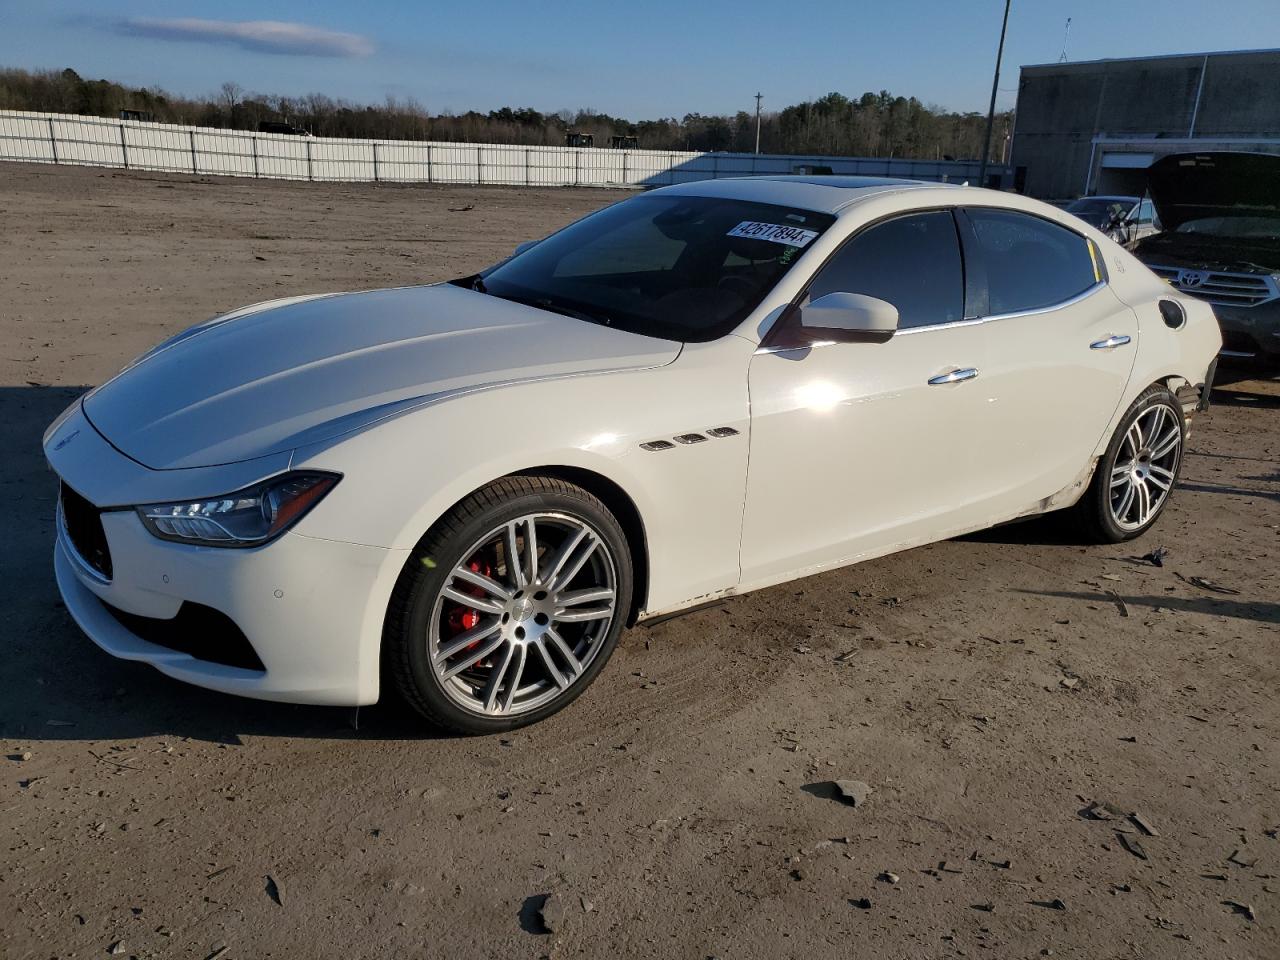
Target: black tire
(1094, 510)
(406, 656)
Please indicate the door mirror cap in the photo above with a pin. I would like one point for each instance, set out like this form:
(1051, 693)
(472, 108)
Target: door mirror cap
(849, 318)
(522, 247)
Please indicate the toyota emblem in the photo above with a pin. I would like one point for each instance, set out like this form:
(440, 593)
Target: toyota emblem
(1189, 279)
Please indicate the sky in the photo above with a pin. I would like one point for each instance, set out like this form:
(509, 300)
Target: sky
(641, 59)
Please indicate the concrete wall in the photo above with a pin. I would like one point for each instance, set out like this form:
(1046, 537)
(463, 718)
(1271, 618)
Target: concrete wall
(65, 138)
(1063, 108)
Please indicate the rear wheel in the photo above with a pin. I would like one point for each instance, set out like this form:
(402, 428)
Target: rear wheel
(1135, 477)
(509, 607)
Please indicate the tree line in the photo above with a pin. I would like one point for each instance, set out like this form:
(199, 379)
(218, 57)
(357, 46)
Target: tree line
(872, 125)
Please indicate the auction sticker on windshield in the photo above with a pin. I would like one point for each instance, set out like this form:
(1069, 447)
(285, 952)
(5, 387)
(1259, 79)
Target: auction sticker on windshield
(775, 232)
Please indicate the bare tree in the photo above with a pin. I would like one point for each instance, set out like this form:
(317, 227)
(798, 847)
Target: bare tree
(229, 95)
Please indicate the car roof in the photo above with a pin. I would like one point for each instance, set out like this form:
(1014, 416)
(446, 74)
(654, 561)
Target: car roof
(824, 194)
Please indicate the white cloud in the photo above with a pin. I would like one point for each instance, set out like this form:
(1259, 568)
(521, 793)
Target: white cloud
(264, 36)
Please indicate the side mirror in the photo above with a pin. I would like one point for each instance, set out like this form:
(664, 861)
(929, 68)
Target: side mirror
(849, 318)
(522, 247)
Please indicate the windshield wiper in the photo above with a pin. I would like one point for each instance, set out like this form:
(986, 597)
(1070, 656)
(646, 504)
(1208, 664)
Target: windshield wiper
(474, 282)
(544, 303)
(572, 312)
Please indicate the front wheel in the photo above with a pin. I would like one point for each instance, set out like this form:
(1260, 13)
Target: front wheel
(509, 607)
(1134, 478)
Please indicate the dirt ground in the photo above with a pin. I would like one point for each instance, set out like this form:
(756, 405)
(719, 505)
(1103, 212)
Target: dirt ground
(988, 690)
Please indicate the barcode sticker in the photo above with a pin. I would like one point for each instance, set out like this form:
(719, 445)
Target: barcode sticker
(774, 232)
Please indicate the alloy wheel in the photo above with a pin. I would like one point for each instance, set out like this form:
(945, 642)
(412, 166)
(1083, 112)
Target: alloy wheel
(523, 615)
(1145, 466)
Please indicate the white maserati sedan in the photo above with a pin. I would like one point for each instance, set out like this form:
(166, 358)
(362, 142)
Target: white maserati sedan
(462, 493)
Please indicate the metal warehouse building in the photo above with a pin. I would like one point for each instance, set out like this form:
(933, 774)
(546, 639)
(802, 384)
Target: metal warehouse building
(1094, 127)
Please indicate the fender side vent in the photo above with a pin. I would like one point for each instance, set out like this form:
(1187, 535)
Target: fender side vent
(655, 445)
(721, 432)
(690, 438)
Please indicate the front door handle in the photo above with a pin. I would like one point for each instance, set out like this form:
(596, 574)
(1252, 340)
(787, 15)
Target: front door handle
(955, 376)
(1110, 343)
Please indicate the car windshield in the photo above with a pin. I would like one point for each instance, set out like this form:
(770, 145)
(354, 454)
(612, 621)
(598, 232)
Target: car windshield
(1238, 228)
(679, 268)
(1099, 211)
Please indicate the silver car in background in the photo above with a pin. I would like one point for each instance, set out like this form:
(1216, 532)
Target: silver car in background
(1124, 219)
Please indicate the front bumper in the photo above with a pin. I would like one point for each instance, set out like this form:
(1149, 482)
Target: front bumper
(1250, 334)
(312, 610)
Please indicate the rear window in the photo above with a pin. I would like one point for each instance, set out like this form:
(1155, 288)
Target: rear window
(1099, 211)
(680, 268)
(1031, 263)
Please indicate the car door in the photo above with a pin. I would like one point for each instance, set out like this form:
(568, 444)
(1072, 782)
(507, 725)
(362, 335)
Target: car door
(858, 448)
(1060, 346)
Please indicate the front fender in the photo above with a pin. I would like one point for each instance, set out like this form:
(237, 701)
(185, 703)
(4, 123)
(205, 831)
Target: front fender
(403, 474)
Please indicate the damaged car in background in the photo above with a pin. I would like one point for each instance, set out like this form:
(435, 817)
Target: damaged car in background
(1221, 243)
(1123, 219)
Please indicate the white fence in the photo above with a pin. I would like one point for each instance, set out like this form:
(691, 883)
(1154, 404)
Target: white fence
(130, 144)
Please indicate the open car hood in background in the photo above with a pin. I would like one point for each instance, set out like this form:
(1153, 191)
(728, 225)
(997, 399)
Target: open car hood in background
(1191, 186)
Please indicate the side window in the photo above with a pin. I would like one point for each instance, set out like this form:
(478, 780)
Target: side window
(912, 262)
(1146, 212)
(1031, 263)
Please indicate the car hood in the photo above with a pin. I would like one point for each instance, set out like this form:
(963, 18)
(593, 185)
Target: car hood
(260, 381)
(1191, 186)
(1256, 255)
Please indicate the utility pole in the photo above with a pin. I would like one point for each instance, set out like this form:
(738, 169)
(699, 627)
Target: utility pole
(758, 96)
(991, 110)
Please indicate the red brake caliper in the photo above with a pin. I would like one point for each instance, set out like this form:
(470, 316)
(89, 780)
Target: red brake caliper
(461, 619)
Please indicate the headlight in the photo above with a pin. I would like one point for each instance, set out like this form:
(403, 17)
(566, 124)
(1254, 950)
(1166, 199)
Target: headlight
(247, 518)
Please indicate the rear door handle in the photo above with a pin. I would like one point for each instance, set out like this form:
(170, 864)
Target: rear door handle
(955, 376)
(1110, 343)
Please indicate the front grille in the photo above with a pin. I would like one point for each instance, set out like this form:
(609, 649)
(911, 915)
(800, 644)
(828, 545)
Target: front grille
(1220, 287)
(83, 523)
(203, 632)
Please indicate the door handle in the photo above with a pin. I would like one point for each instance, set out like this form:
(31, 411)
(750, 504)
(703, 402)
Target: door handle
(1110, 343)
(955, 376)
